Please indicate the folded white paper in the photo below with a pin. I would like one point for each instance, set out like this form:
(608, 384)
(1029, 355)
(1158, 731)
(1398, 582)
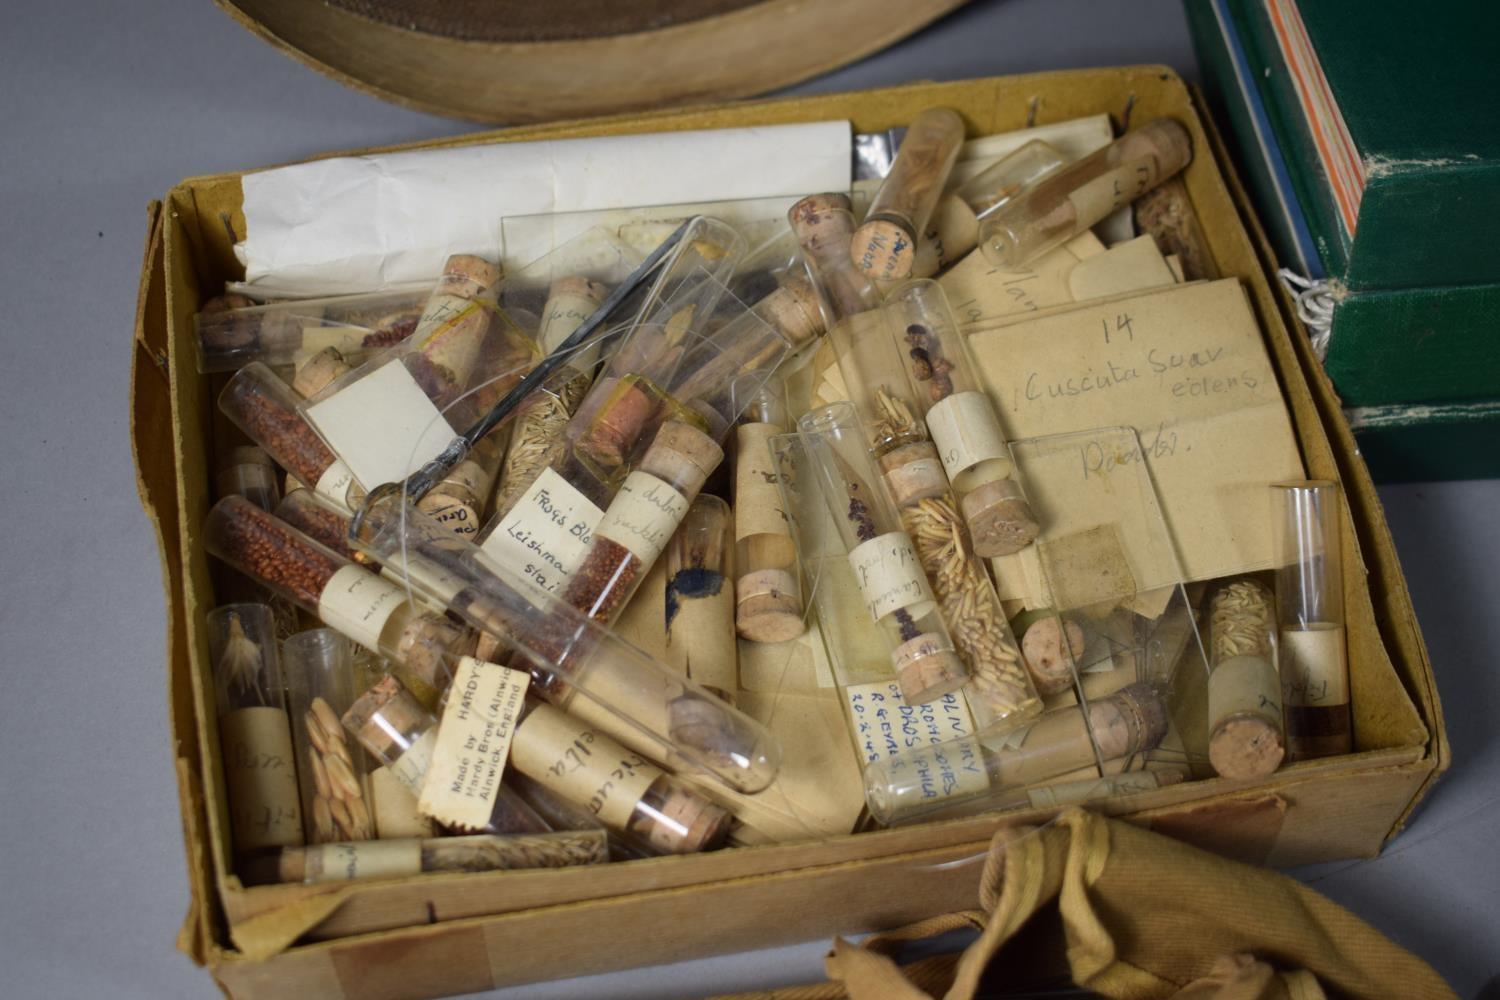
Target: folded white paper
(363, 223)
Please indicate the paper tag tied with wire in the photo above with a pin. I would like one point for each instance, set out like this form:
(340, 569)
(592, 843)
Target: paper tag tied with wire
(479, 722)
(933, 738)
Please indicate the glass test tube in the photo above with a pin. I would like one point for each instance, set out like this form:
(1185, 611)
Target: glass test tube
(875, 373)
(254, 734)
(700, 599)
(480, 852)
(249, 472)
(575, 662)
(321, 687)
(884, 248)
(1310, 613)
(372, 611)
(1080, 195)
(1244, 689)
(961, 419)
(234, 331)
(768, 593)
(402, 734)
(882, 556)
(265, 408)
(908, 786)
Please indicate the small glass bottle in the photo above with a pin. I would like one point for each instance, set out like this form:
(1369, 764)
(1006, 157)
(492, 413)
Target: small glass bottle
(323, 522)
(265, 408)
(254, 733)
(1310, 613)
(331, 773)
(247, 471)
(884, 561)
(372, 611)
(700, 600)
(884, 248)
(1244, 690)
(480, 852)
(623, 789)
(768, 593)
(234, 331)
(1083, 193)
(961, 419)
(402, 734)
(908, 786)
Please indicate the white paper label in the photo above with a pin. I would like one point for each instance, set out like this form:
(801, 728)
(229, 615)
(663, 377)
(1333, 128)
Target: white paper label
(413, 764)
(264, 809)
(890, 577)
(1114, 189)
(334, 484)
(364, 859)
(342, 338)
(582, 765)
(395, 808)
(1313, 667)
(383, 426)
(885, 725)
(561, 318)
(546, 534)
(966, 432)
(1089, 789)
(643, 515)
(1243, 684)
(757, 499)
(473, 743)
(358, 603)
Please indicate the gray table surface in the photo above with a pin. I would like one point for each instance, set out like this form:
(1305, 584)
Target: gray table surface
(105, 106)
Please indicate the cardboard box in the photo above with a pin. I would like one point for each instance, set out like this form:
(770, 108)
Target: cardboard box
(433, 935)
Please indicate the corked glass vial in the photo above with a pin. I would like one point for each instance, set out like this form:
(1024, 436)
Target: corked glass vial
(233, 331)
(961, 419)
(1053, 646)
(768, 592)
(1244, 690)
(988, 770)
(265, 408)
(1310, 615)
(459, 500)
(480, 852)
(330, 770)
(255, 736)
(247, 471)
(699, 604)
(400, 733)
(1080, 195)
(884, 247)
(318, 371)
(881, 554)
(351, 598)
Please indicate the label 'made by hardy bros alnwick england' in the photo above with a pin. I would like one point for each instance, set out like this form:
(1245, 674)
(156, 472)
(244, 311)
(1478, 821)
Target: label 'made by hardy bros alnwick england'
(473, 743)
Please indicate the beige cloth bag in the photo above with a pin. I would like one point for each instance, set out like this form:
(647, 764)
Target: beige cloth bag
(1141, 916)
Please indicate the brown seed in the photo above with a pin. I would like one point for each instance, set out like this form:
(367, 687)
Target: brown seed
(345, 786)
(320, 776)
(327, 716)
(340, 813)
(315, 732)
(323, 820)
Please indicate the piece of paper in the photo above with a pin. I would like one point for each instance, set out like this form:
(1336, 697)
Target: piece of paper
(383, 426)
(1128, 267)
(979, 292)
(1186, 368)
(360, 223)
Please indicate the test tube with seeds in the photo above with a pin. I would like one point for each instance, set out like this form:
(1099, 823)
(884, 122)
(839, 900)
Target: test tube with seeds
(480, 852)
(1244, 690)
(368, 609)
(1080, 195)
(700, 602)
(901, 789)
(884, 248)
(247, 471)
(961, 419)
(255, 736)
(884, 561)
(233, 331)
(912, 475)
(768, 593)
(331, 772)
(1310, 613)
(402, 734)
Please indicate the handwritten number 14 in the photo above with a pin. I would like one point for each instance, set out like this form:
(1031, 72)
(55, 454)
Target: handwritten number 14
(1122, 325)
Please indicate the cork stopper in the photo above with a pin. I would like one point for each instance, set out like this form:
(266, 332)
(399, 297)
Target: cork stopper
(682, 455)
(382, 712)
(884, 248)
(769, 607)
(793, 309)
(477, 271)
(291, 865)
(914, 472)
(1143, 704)
(1042, 647)
(688, 823)
(999, 518)
(578, 286)
(927, 668)
(1245, 746)
(822, 220)
(316, 372)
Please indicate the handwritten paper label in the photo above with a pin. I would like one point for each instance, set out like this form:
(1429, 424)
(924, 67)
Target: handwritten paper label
(966, 432)
(345, 862)
(757, 500)
(395, 808)
(1313, 668)
(1112, 190)
(263, 805)
(890, 577)
(412, 766)
(358, 603)
(473, 742)
(334, 484)
(383, 426)
(561, 317)
(1087, 790)
(582, 765)
(341, 337)
(1243, 684)
(643, 515)
(932, 741)
(546, 534)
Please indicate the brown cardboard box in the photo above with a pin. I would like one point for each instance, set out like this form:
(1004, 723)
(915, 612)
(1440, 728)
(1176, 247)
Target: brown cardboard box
(440, 934)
